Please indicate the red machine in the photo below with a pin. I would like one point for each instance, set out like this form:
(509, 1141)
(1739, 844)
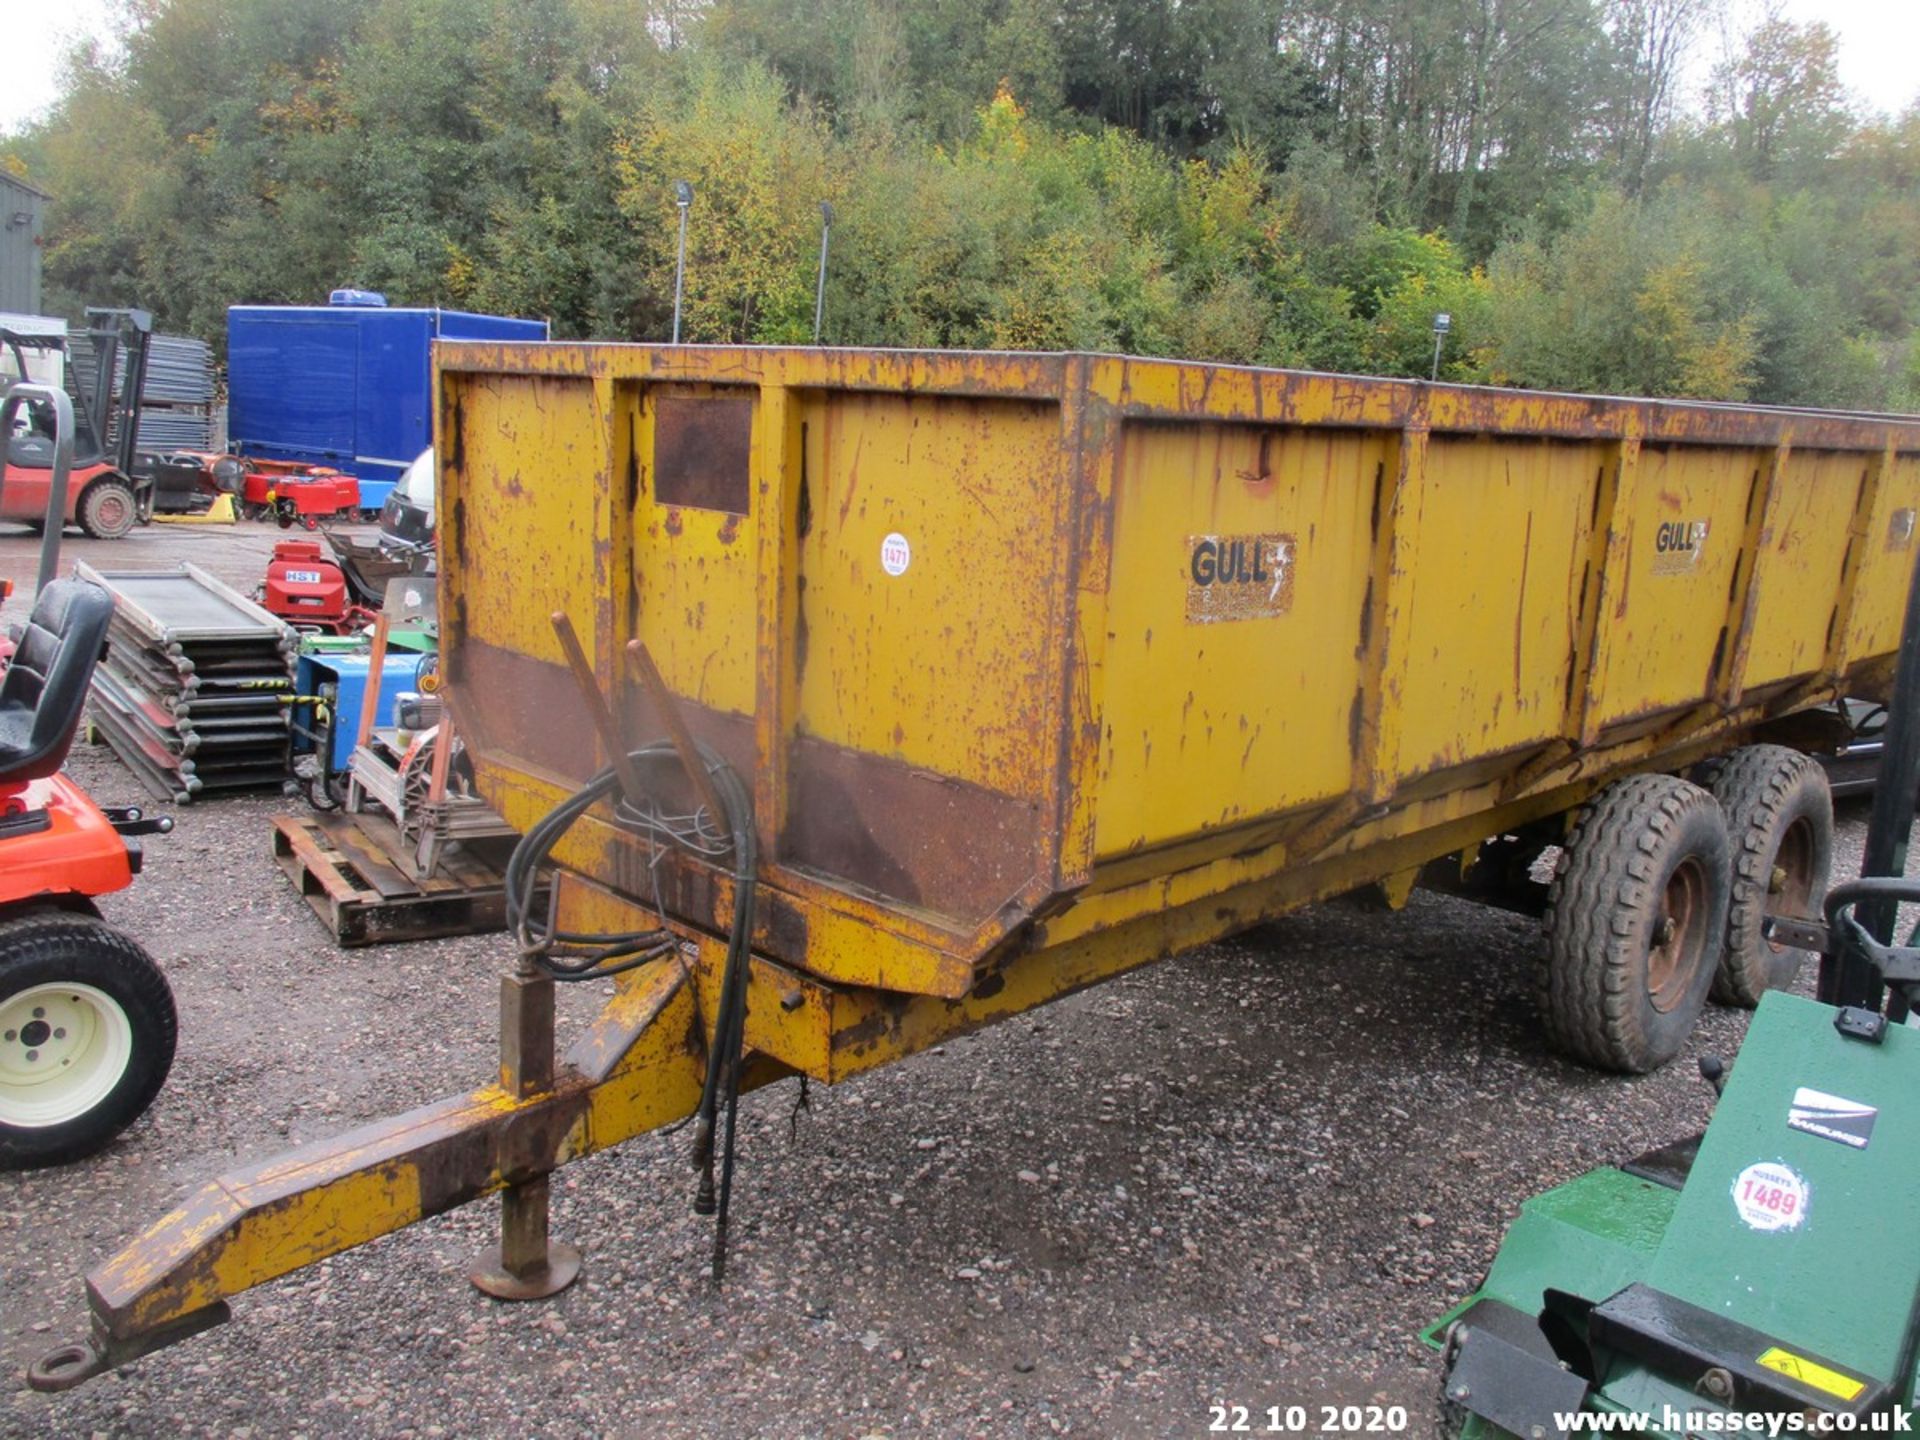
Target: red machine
(306, 588)
(87, 1021)
(298, 494)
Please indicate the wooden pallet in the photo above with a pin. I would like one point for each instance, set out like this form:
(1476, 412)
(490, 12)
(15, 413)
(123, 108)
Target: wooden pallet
(347, 868)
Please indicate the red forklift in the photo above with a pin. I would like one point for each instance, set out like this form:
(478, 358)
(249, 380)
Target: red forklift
(105, 493)
(87, 1021)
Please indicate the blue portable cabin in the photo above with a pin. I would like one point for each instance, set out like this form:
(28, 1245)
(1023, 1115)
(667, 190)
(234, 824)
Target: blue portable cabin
(347, 384)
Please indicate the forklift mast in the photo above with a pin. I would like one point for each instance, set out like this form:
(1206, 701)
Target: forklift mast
(111, 417)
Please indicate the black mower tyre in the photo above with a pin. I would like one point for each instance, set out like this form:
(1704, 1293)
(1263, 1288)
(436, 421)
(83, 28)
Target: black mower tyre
(107, 509)
(1780, 822)
(87, 1032)
(1635, 918)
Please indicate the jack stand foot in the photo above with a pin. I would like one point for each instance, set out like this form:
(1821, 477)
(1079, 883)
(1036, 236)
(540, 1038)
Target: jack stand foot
(491, 1276)
(526, 1264)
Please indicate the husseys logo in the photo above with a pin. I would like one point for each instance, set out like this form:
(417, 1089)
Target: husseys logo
(1238, 577)
(1677, 545)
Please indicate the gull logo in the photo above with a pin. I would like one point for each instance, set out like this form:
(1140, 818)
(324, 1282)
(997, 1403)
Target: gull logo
(1831, 1118)
(1677, 545)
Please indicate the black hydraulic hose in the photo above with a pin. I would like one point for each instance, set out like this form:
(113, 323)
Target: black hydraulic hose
(605, 954)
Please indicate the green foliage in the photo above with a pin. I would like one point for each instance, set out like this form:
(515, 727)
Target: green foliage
(1304, 184)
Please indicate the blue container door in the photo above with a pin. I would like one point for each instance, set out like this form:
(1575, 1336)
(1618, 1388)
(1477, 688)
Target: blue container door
(293, 382)
(394, 419)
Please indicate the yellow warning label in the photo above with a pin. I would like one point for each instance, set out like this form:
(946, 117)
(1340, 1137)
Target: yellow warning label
(1811, 1372)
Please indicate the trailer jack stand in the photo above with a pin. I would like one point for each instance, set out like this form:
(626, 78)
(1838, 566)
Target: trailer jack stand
(634, 1068)
(527, 1264)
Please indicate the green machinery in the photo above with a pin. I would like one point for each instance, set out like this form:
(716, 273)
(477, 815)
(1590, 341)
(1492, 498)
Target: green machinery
(1751, 1280)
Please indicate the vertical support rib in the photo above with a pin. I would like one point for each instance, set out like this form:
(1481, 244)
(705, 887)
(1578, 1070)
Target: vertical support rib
(1389, 601)
(1762, 511)
(1605, 590)
(1866, 505)
(780, 459)
(1091, 432)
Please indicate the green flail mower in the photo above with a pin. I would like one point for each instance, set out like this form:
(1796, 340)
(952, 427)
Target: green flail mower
(1751, 1280)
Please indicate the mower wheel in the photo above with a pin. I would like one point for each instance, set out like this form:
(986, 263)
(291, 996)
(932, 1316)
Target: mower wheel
(107, 509)
(1780, 819)
(1635, 919)
(87, 1030)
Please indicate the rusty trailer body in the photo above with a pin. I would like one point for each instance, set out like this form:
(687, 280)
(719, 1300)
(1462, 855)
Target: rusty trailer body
(1038, 668)
(1169, 648)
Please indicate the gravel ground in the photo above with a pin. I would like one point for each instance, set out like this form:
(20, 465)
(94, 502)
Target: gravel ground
(1246, 1176)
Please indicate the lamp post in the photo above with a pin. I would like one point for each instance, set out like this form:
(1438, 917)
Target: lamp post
(820, 287)
(1442, 323)
(683, 197)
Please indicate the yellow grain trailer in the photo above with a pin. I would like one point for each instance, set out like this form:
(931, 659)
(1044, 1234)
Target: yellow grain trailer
(963, 681)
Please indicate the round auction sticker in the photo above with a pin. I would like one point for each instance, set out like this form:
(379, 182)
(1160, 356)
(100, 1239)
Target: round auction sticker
(895, 554)
(1769, 1196)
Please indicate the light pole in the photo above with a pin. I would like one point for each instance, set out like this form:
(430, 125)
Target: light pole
(683, 197)
(820, 288)
(1442, 323)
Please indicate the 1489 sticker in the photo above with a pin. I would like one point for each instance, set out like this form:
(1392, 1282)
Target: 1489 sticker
(1770, 1196)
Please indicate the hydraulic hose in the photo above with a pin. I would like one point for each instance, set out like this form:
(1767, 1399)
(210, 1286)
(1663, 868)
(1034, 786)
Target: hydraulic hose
(575, 956)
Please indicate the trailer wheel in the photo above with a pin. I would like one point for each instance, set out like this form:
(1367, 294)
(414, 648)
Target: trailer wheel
(1780, 821)
(1635, 918)
(107, 509)
(87, 1029)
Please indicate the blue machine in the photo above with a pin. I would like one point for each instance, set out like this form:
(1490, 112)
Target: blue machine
(340, 676)
(347, 385)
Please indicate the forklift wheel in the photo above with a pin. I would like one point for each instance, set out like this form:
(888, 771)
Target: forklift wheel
(107, 509)
(1635, 920)
(1780, 819)
(87, 1031)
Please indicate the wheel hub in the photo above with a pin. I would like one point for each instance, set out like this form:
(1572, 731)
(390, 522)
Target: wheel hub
(1790, 882)
(1671, 961)
(63, 1048)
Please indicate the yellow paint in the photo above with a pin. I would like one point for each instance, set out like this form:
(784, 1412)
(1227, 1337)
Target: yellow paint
(1495, 597)
(1812, 1373)
(1480, 613)
(523, 500)
(1886, 566)
(1210, 725)
(1481, 632)
(1671, 614)
(943, 665)
(692, 571)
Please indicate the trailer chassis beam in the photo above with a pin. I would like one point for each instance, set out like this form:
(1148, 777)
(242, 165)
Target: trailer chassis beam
(636, 1067)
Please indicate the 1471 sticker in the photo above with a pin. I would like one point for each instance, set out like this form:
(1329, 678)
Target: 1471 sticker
(1770, 1196)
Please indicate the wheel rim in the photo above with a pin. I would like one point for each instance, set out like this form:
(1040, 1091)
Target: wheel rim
(63, 1048)
(1678, 936)
(110, 511)
(1790, 883)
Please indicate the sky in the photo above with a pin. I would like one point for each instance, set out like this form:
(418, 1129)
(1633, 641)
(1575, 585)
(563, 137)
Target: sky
(1878, 40)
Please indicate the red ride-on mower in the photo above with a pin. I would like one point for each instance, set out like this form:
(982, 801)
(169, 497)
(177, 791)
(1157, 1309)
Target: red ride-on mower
(87, 1021)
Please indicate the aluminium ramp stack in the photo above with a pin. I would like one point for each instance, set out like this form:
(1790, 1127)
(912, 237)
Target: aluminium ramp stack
(195, 688)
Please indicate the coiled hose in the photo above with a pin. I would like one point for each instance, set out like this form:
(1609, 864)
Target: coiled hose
(574, 956)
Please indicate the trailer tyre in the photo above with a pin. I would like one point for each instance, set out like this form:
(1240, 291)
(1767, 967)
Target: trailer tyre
(107, 509)
(1780, 822)
(87, 1031)
(1635, 918)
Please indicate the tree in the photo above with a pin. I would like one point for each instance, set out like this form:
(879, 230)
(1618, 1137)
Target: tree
(1781, 97)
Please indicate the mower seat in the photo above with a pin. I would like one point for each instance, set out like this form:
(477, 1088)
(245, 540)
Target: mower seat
(45, 688)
